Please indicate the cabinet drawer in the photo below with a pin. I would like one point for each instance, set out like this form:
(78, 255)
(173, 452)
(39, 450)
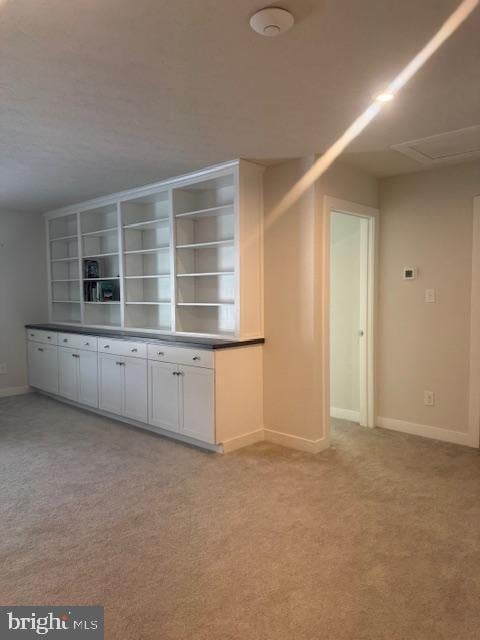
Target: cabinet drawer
(181, 355)
(122, 348)
(77, 341)
(47, 337)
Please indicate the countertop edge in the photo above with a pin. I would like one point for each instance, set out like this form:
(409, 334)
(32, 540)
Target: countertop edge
(198, 343)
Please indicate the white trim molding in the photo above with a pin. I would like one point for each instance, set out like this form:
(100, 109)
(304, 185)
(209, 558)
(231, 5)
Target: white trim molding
(345, 414)
(426, 431)
(15, 391)
(243, 441)
(296, 442)
(474, 364)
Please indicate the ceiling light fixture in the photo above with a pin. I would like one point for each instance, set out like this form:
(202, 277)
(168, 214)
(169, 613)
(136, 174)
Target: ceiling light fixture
(384, 97)
(272, 21)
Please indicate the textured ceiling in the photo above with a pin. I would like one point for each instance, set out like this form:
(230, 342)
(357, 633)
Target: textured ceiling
(102, 95)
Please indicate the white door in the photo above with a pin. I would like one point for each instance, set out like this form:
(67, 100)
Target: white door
(197, 402)
(68, 373)
(135, 389)
(163, 409)
(110, 379)
(87, 378)
(43, 366)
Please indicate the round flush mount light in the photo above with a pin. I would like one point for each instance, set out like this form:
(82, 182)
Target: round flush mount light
(384, 97)
(272, 21)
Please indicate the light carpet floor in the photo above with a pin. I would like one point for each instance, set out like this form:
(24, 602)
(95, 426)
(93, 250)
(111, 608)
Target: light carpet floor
(377, 538)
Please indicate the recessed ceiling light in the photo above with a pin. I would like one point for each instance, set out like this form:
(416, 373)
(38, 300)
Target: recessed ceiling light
(272, 21)
(384, 97)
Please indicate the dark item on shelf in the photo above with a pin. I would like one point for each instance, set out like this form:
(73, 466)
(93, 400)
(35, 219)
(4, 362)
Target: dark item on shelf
(91, 268)
(106, 292)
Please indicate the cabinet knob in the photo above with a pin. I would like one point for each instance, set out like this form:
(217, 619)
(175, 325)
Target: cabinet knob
(49, 337)
(65, 339)
(32, 335)
(161, 353)
(87, 344)
(196, 358)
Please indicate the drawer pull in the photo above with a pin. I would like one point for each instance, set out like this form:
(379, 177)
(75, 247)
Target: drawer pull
(49, 337)
(32, 335)
(160, 353)
(121, 364)
(75, 355)
(196, 358)
(39, 349)
(107, 346)
(134, 350)
(87, 344)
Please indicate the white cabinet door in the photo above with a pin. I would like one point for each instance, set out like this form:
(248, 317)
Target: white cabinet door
(163, 400)
(68, 373)
(43, 366)
(35, 364)
(88, 378)
(198, 411)
(110, 379)
(135, 389)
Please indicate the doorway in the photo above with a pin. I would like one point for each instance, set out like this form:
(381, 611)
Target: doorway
(349, 311)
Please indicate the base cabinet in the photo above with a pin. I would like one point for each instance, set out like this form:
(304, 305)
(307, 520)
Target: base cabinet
(201, 395)
(78, 375)
(182, 400)
(43, 366)
(163, 409)
(197, 403)
(123, 386)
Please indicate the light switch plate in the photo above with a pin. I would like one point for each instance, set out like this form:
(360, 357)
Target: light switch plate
(428, 398)
(429, 295)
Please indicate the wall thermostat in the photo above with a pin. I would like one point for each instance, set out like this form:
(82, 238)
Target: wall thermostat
(410, 273)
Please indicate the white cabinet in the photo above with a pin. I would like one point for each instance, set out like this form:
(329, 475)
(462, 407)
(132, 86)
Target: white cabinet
(182, 400)
(78, 375)
(197, 396)
(110, 383)
(163, 410)
(43, 366)
(68, 368)
(123, 386)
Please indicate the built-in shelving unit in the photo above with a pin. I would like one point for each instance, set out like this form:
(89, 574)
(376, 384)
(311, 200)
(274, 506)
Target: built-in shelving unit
(183, 256)
(64, 269)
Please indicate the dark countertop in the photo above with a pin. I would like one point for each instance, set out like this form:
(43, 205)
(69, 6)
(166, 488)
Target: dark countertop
(179, 341)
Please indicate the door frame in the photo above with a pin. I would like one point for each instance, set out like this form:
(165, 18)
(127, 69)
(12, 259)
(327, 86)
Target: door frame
(367, 380)
(474, 364)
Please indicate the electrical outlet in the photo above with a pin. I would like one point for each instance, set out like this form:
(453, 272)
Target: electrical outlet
(3, 368)
(428, 398)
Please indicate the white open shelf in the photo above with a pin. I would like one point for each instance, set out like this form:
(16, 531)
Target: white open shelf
(166, 257)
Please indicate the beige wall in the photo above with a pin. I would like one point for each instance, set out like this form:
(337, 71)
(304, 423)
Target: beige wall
(293, 294)
(345, 239)
(23, 289)
(426, 221)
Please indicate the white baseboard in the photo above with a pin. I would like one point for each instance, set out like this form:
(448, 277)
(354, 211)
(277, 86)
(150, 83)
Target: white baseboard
(243, 441)
(345, 414)
(15, 391)
(426, 431)
(296, 442)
